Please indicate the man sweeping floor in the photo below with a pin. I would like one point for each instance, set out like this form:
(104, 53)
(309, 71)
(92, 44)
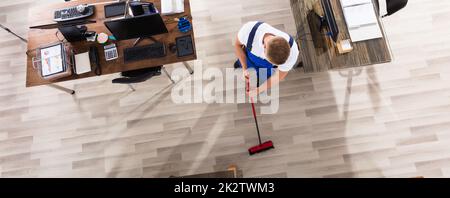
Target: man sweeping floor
(272, 53)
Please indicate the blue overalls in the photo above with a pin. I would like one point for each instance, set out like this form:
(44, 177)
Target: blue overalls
(256, 62)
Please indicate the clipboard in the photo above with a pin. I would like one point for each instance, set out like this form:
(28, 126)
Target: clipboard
(53, 61)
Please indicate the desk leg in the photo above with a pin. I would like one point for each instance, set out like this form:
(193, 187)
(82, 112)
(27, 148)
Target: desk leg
(167, 74)
(188, 68)
(69, 91)
(131, 87)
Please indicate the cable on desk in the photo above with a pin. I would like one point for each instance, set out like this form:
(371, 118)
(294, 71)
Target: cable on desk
(56, 34)
(64, 41)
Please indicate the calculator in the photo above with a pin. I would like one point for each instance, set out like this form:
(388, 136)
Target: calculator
(111, 52)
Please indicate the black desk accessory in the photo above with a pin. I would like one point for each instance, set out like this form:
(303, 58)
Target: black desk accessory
(142, 8)
(115, 9)
(72, 60)
(185, 46)
(73, 33)
(95, 60)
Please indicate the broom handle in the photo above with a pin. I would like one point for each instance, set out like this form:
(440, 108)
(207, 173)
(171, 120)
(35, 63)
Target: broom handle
(254, 113)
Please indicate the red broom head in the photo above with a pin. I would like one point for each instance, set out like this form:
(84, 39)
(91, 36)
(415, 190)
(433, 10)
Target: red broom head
(261, 148)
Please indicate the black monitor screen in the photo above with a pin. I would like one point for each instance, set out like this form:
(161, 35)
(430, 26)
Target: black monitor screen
(330, 20)
(137, 27)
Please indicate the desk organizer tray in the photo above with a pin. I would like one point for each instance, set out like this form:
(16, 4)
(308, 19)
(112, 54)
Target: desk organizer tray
(53, 61)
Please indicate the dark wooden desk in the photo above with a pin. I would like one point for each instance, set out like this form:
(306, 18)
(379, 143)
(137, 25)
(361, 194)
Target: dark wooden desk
(44, 15)
(326, 56)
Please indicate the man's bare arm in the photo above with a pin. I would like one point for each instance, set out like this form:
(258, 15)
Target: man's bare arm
(240, 53)
(273, 80)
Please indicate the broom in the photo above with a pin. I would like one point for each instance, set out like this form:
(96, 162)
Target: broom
(262, 146)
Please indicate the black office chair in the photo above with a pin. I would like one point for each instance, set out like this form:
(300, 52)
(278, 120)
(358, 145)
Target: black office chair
(393, 6)
(137, 76)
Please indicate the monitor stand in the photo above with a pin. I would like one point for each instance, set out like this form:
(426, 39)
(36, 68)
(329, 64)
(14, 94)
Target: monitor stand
(142, 38)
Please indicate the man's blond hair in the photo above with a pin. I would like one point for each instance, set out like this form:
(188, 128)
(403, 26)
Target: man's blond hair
(278, 50)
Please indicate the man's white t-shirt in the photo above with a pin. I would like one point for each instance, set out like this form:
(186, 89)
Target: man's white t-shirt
(258, 46)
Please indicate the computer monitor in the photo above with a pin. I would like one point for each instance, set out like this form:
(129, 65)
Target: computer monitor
(329, 21)
(73, 31)
(137, 27)
(63, 24)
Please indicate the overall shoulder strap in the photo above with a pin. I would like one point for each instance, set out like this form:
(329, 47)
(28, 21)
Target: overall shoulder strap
(291, 41)
(251, 37)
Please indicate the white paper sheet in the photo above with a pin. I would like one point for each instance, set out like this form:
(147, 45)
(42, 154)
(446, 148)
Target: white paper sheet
(364, 33)
(82, 63)
(172, 7)
(346, 3)
(360, 15)
(383, 7)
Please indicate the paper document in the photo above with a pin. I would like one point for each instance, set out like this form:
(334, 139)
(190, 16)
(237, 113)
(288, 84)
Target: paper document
(82, 63)
(361, 15)
(172, 7)
(383, 8)
(346, 3)
(365, 33)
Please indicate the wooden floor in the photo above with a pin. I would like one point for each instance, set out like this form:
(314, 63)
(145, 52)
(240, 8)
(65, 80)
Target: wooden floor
(390, 120)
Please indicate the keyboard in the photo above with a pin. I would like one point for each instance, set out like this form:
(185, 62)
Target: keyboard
(71, 13)
(155, 50)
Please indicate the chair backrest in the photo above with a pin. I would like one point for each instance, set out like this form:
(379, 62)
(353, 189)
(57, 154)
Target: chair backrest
(138, 79)
(394, 6)
(138, 76)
